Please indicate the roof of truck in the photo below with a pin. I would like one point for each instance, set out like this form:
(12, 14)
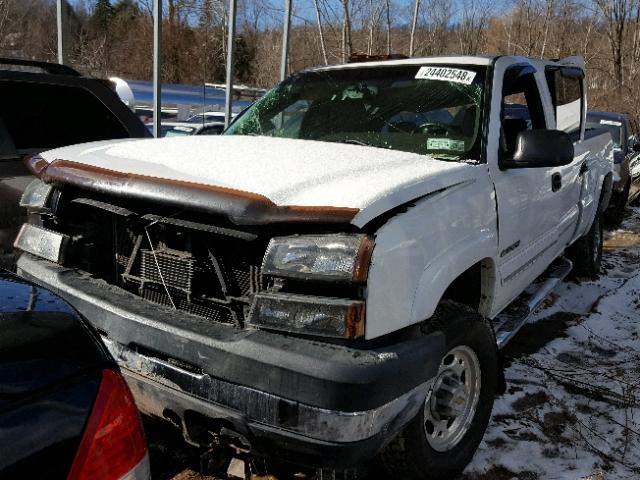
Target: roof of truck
(481, 60)
(457, 59)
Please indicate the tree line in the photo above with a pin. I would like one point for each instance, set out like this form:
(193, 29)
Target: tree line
(114, 37)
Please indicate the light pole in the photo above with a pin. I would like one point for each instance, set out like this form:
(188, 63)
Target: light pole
(157, 65)
(60, 13)
(285, 39)
(230, 62)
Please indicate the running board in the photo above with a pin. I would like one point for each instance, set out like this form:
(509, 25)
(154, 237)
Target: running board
(513, 318)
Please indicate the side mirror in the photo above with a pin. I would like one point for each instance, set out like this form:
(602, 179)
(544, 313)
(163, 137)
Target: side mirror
(540, 148)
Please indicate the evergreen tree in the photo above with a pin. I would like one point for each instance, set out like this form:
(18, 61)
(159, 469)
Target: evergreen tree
(102, 14)
(126, 7)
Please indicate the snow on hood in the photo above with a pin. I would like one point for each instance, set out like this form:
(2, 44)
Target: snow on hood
(286, 171)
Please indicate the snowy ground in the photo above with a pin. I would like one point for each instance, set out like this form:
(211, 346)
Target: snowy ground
(572, 407)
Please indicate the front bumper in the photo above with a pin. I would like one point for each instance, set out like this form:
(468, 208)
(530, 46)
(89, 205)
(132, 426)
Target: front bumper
(302, 400)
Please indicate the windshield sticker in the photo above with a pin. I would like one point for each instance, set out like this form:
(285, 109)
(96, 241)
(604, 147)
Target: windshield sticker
(610, 122)
(446, 74)
(445, 144)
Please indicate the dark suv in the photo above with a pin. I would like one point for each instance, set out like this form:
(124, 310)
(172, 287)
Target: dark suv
(44, 106)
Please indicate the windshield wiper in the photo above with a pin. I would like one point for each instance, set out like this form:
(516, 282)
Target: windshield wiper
(353, 141)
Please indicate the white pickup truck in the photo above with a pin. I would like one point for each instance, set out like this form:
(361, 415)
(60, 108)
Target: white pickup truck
(333, 278)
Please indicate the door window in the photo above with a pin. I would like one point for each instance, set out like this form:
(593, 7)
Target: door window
(565, 86)
(521, 106)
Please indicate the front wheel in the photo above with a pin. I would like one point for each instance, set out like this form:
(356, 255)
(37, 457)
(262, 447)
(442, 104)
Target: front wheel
(442, 439)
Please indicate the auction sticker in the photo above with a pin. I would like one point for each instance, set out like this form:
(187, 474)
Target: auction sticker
(611, 122)
(446, 74)
(445, 144)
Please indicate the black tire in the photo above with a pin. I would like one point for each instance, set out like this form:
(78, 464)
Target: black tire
(614, 214)
(410, 455)
(586, 252)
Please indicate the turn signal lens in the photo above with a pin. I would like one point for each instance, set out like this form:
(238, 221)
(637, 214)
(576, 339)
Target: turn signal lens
(330, 317)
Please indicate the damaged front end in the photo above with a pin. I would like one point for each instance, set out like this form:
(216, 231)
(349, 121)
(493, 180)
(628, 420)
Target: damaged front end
(219, 324)
(222, 273)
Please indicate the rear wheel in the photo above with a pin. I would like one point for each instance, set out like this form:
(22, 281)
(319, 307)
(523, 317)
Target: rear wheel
(586, 252)
(441, 440)
(614, 214)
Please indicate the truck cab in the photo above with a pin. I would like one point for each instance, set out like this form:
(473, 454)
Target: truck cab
(333, 278)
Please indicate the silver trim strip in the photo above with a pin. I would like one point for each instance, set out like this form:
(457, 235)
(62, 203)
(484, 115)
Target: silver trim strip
(527, 264)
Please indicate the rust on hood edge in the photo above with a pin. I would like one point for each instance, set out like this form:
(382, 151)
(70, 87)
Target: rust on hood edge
(243, 208)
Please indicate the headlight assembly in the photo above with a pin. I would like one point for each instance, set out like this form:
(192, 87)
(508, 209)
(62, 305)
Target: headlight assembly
(36, 196)
(342, 257)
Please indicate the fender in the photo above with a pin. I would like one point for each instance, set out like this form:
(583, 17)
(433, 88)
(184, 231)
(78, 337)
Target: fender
(421, 250)
(603, 193)
(448, 266)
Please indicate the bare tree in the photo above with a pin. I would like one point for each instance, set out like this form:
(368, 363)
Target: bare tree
(616, 14)
(471, 31)
(374, 18)
(4, 16)
(635, 43)
(436, 20)
(323, 47)
(547, 21)
(347, 42)
(388, 9)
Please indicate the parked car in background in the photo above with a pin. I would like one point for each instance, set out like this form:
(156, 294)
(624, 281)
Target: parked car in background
(43, 106)
(333, 278)
(65, 409)
(182, 129)
(146, 114)
(626, 181)
(208, 117)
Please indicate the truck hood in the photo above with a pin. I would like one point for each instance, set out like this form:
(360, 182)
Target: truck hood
(254, 180)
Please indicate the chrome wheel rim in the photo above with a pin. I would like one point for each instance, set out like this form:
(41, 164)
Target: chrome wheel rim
(451, 403)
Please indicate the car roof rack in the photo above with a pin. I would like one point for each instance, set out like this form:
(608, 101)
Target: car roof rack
(47, 67)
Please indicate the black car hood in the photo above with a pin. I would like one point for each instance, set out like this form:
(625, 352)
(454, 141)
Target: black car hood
(43, 342)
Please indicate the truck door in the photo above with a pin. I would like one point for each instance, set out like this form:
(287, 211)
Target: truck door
(532, 208)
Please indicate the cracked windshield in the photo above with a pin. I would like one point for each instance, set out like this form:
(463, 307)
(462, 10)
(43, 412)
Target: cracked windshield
(434, 110)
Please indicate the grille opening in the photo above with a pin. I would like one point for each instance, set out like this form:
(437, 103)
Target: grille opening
(204, 273)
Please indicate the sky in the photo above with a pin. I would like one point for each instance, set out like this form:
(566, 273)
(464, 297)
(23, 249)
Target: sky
(303, 10)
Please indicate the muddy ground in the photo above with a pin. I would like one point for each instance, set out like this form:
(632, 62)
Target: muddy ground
(572, 406)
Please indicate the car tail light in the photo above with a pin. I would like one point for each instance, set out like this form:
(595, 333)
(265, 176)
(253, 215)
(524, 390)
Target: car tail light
(113, 445)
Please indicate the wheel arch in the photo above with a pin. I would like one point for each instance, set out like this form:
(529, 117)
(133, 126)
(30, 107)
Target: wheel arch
(474, 287)
(468, 276)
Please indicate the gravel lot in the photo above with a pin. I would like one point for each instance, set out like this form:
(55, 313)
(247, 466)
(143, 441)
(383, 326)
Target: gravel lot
(572, 408)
